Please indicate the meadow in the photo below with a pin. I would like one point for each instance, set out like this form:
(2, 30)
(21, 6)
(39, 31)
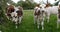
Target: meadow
(27, 24)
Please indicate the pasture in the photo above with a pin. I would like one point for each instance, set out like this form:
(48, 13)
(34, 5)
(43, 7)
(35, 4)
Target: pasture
(27, 24)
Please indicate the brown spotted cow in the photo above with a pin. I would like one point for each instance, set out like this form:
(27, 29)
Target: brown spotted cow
(38, 16)
(17, 15)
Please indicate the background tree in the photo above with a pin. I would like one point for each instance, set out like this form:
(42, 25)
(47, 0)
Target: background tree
(28, 4)
(56, 2)
(3, 5)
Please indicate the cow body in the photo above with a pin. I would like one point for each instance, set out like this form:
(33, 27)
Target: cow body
(50, 10)
(15, 14)
(53, 10)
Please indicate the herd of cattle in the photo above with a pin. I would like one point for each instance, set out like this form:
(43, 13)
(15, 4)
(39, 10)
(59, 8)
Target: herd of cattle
(40, 12)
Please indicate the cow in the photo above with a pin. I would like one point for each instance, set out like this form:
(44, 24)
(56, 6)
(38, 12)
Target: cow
(48, 10)
(38, 17)
(17, 15)
(11, 14)
(52, 10)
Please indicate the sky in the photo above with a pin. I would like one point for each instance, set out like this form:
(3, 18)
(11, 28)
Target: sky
(37, 1)
(50, 1)
(15, 1)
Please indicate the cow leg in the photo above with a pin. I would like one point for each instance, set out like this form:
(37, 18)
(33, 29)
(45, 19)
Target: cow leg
(42, 23)
(16, 22)
(58, 20)
(38, 21)
(13, 19)
(58, 23)
(20, 19)
(48, 17)
(35, 19)
(22, 16)
(7, 17)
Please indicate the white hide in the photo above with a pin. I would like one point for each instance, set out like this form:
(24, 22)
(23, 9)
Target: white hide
(13, 14)
(52, 10)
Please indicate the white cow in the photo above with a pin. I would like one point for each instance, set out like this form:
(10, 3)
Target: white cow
(51, 10)
(15, 17)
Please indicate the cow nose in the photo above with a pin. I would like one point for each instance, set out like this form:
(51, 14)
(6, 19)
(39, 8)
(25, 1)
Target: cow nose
(40, 7)
(42, 11)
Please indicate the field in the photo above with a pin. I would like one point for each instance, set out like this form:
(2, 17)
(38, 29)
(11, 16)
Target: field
(27, 24)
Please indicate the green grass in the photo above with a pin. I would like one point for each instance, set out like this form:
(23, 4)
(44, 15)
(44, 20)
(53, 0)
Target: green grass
(27, 24)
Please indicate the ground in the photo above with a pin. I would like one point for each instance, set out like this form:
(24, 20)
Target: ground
(27, 24)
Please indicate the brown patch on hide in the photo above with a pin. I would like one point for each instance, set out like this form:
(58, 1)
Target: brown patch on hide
(10, 9)
(37, 13)
(20, 12)
(59, 13)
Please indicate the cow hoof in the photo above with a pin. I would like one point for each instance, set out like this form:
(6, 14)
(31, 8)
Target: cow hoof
(57, 27)
(42, 28)
(47, 21)
(0, 31)
(38, 27)
(16, 27)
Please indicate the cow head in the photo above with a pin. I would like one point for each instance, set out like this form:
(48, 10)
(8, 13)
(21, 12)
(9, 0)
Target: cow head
(42, 6)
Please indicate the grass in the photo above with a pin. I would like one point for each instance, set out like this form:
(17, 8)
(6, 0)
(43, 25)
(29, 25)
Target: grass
(27, 24)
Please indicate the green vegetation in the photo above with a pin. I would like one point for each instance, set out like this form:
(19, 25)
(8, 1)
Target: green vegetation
(27, 24)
